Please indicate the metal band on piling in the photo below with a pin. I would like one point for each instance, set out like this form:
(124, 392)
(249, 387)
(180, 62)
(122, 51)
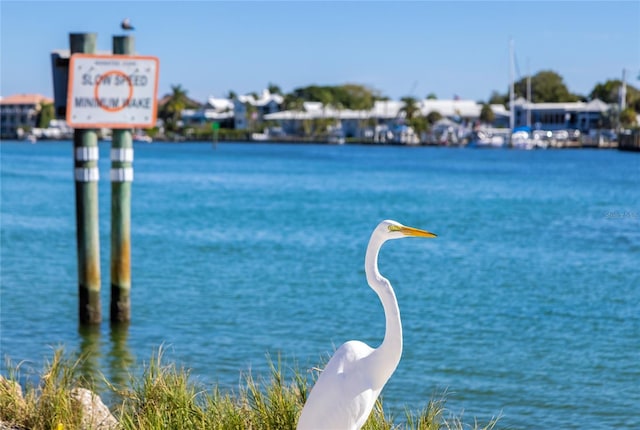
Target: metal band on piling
(87, 174)
(84, 154)
(122, 174)
(87, 153)
(123, 155)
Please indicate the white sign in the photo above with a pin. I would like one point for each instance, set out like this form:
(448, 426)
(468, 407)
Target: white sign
(112, 91)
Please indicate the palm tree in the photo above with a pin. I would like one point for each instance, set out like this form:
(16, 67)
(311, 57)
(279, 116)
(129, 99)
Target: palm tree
(486, 114)
(413, 115)
(433, 117)
(172, 109)
(251, 113)
(326, 99)
(410, 107)
(45, 114)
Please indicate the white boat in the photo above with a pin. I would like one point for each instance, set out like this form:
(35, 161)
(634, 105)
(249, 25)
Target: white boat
(271, 133)
(259, 137)
(336, 140)
(336, 136)
(488, 137)
(521, 140)
(489, 142)
(403, 134)
(142, 138)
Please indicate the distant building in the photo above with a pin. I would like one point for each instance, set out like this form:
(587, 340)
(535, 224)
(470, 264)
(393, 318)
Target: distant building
(218, 110)
(235, 113)
(20, 111)
(386, 113)
(265, 104)
(456, 109)
(581, 116)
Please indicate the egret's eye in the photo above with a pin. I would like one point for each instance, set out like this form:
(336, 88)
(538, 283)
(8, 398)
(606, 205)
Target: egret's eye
(393, 227)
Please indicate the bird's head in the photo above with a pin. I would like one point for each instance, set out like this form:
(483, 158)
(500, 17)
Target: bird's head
(390, 229)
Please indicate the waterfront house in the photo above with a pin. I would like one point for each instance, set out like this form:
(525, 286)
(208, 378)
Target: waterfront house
(293, 122)
(380, 121)
(215, 109)
(581, 116)
(20, 113)
(261, 106)
(455, 109)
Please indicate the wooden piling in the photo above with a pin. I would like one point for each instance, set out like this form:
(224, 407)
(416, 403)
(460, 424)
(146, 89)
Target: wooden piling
(85, 147)
(121, 178)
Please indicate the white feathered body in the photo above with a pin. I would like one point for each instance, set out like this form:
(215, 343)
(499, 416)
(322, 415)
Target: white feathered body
(344, 374)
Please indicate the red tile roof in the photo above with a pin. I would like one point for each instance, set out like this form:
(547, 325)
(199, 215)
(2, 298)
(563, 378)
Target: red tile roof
(25, 99)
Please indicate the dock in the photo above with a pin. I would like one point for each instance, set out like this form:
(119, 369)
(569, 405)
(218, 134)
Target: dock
(629, 141)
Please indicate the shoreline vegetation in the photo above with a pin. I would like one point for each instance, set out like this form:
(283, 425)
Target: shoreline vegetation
(164, 396)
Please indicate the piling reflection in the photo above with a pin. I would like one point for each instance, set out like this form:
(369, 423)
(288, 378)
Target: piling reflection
(95, 364)
(120, 357)
(89, 356)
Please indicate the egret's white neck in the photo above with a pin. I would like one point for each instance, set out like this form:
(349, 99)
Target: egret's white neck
(387, 356)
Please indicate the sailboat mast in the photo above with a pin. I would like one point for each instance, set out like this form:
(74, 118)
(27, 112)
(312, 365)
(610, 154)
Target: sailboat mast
(529, 101)
(623, 91)
(511, 87)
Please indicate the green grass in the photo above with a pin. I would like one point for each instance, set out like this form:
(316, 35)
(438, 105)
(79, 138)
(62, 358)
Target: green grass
(164, 397)
(47, 405)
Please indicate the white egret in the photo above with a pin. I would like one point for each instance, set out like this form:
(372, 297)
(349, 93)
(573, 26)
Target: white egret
(349, 385)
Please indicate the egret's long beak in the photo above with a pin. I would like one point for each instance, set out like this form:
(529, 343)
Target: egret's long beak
(416, 232)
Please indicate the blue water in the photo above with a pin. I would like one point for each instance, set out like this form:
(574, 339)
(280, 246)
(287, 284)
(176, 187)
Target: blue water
(527, 304)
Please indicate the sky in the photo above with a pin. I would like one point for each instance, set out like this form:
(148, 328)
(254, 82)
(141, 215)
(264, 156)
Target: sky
(400, 49)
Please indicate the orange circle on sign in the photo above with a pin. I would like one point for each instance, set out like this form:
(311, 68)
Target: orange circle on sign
(97, 97)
